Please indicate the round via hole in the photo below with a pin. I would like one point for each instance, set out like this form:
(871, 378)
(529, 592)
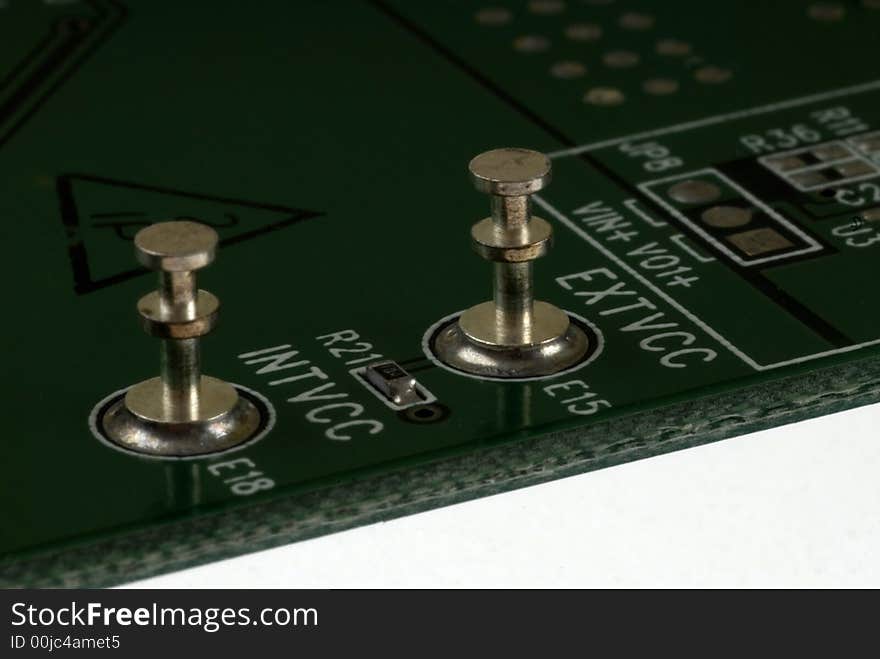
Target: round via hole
(427, 413)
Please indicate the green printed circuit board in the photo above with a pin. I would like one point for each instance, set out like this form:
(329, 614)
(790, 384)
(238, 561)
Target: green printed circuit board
(715, 206)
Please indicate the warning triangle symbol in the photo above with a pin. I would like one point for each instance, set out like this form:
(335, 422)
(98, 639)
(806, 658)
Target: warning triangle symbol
(100, 213)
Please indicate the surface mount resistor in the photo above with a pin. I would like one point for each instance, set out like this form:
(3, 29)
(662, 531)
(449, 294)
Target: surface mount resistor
(394, 383)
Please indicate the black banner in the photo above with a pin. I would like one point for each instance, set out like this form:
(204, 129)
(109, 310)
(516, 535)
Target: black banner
(239, 623)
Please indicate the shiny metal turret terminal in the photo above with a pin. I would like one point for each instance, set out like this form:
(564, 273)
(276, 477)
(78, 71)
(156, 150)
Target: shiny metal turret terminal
(181, 412)
(513, 335)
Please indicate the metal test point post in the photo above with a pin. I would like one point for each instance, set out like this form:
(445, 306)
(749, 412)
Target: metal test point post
(513, 335)
(181, 412)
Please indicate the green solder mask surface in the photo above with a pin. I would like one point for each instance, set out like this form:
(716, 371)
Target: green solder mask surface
(327, 143)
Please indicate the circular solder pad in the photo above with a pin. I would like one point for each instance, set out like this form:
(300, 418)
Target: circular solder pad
(583, 32)
(245, 423)
(604, 96)
(694, 191)
(660, 86)
(568, 69)
(727, 217)
(620, 59)
(447, 345)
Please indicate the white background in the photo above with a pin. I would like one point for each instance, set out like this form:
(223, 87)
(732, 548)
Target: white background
(797, 506)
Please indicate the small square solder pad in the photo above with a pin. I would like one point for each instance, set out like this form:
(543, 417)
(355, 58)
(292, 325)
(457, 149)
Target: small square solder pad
(757, 242)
